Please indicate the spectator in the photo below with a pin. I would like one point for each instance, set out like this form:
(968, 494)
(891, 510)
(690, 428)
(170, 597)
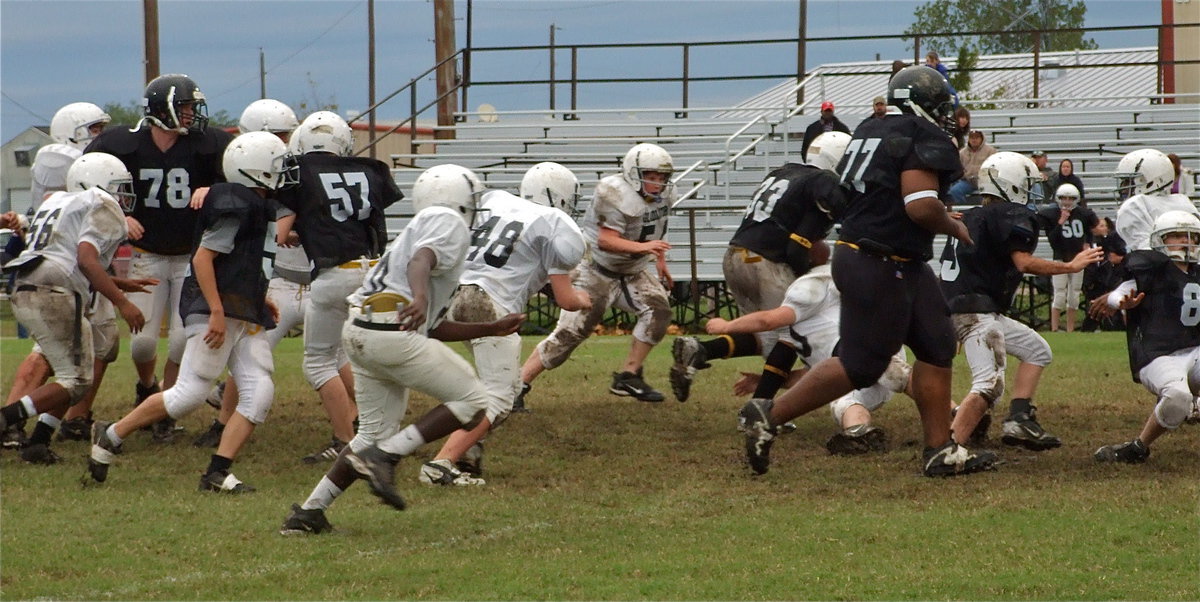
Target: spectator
(1041, 192)
(1185, 179)
(879, 107)
(826, 123)
(1103, 228)
(972, 157)
(897, 66)
(1066, 175)
(1099, 278)
(934, 62)
(962, 121)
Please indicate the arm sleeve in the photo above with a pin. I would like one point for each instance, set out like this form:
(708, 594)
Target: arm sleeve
(105, 227)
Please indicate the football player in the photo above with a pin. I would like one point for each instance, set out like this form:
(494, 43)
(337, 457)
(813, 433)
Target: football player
(791, 211)
(1144, 179)
(291, 268)
(170, 153)
(338, 207)
(625, 228)
(1068, 227)
(393, 338)
(526, 242)
(979, 281)
(1162, 305)
(225, 311)
(890, 295)
(72, 240)
(809, 315)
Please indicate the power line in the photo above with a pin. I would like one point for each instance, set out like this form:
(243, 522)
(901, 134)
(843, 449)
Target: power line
(24, 108)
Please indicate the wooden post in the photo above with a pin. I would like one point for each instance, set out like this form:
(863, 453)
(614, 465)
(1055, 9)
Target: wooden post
(150, 23)
(447, 72)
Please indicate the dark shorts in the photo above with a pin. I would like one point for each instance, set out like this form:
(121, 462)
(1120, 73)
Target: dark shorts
(887, 304)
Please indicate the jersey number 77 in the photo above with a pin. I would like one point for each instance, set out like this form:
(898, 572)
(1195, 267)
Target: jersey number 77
(858, 156)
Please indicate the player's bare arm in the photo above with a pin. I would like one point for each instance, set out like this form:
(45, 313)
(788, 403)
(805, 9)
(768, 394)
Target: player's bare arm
(450, 331)
(759, 321)
(206, 278)
(611, 240)
(89, 264)
(419, 270)
(1026, 263)
(921, 203)
(567, 296)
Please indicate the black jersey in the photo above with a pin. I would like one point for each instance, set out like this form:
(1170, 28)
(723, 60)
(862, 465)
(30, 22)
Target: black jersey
(878, 152)
(339, 207)
(785, 209)
(1168, 317)
(164, 181)
(1068, 238)
(981, 278)
(241, 283)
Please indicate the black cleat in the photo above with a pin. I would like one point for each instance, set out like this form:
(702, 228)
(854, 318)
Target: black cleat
(75, 429)
(472, 461)
(13, 436)
(303, 522)
(210, 437)
(327, 454)
(858, 439)
(103, 450)
(1023, 430)
(223, 482)
(754, 420)
(1130, 452)
(690, 358)
(519, 402)
(39, 453)
(379, 469)
(953, 459)
(630, 384)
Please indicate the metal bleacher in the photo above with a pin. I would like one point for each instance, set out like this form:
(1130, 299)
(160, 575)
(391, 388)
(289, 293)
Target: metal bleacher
(720, 162)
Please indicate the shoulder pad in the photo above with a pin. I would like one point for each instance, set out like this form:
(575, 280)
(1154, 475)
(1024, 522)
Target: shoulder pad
(935, 150)
(225, 199)
(213, 141)
(119, 140)
(1145, 261)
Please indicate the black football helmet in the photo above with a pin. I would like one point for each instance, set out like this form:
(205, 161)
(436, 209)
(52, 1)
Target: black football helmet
(166, 95)
(923, 91)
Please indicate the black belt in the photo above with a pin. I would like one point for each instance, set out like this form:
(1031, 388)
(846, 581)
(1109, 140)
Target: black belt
(27, 288)
(375, 325)
(873, 251)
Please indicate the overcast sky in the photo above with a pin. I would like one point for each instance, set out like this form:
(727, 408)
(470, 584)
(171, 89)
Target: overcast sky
(53, 52)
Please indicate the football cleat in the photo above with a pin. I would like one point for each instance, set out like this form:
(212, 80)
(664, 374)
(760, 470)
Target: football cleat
(379, 469)
(954, 459)
(303, 522)
(103, 451)
(223, 482)
(39, 453)
(690, 358)
(164, 431)
(858, 439)
(442, 472)
(75, 429)
(519, 402)
(1130, 452)
(13, 436)
(328, 454)
(630, 384)
(210, 437)
(754, 420)
(215, 395)
(1023, 430)
(472, 461)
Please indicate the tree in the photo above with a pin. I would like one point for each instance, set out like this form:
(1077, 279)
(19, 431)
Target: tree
(131, 112)
(1049, 16)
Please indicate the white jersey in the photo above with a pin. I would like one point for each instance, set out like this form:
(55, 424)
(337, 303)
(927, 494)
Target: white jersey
(522, 243)
(1135, 217)
(66, 219)
(617, 206)
(817, 305)
(438, 229)
(49, 170)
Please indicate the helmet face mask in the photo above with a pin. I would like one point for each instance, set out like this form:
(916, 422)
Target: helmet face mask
(552, 185)
(919, 90)
(1144, 171)
(1008, 176)
(451, 186)
(175, 103)
(644, 159)
(72, 124)
(1170, 225)
(106, 172)
(260, 160)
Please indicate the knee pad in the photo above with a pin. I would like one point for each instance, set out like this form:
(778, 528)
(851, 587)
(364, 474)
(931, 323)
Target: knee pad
(106, 342)
(895, 378)
(321, 364)
(77, 386)
(469, 410)
(653, 322)
(176, 342)
(187, 395)
(555, 349)
(255, 403)
(1174, 406)
(143, 346)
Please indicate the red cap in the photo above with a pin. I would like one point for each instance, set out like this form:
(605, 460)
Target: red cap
(827, 106)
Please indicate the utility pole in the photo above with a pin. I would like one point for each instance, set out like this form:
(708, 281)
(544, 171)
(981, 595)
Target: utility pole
(801, 44)
(150, 24)
(371, 78)
(552, 67)
(447, 72)
(262, 73)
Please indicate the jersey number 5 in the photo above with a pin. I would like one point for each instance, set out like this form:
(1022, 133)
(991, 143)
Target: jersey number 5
(344, 205)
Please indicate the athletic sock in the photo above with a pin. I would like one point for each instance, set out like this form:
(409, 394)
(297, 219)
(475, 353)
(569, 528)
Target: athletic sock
(322, 495)
(403, 443)
(219, 464)
(43, 429)
(1020, 405)
(730, 345)
(775, 371)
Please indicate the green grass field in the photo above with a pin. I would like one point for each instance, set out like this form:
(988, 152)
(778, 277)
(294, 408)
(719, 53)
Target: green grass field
(592, 496)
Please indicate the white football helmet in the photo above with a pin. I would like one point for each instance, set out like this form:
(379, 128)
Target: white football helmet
(646, 157)
(450, 186)
(103, 171)
(1009, 176)
(826, 150)
(323, 132)
(267, 115)
(1144, 171)
(260, 160)
(70, 124)
(552, 185)
(1067, 196)
(1172, 222)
